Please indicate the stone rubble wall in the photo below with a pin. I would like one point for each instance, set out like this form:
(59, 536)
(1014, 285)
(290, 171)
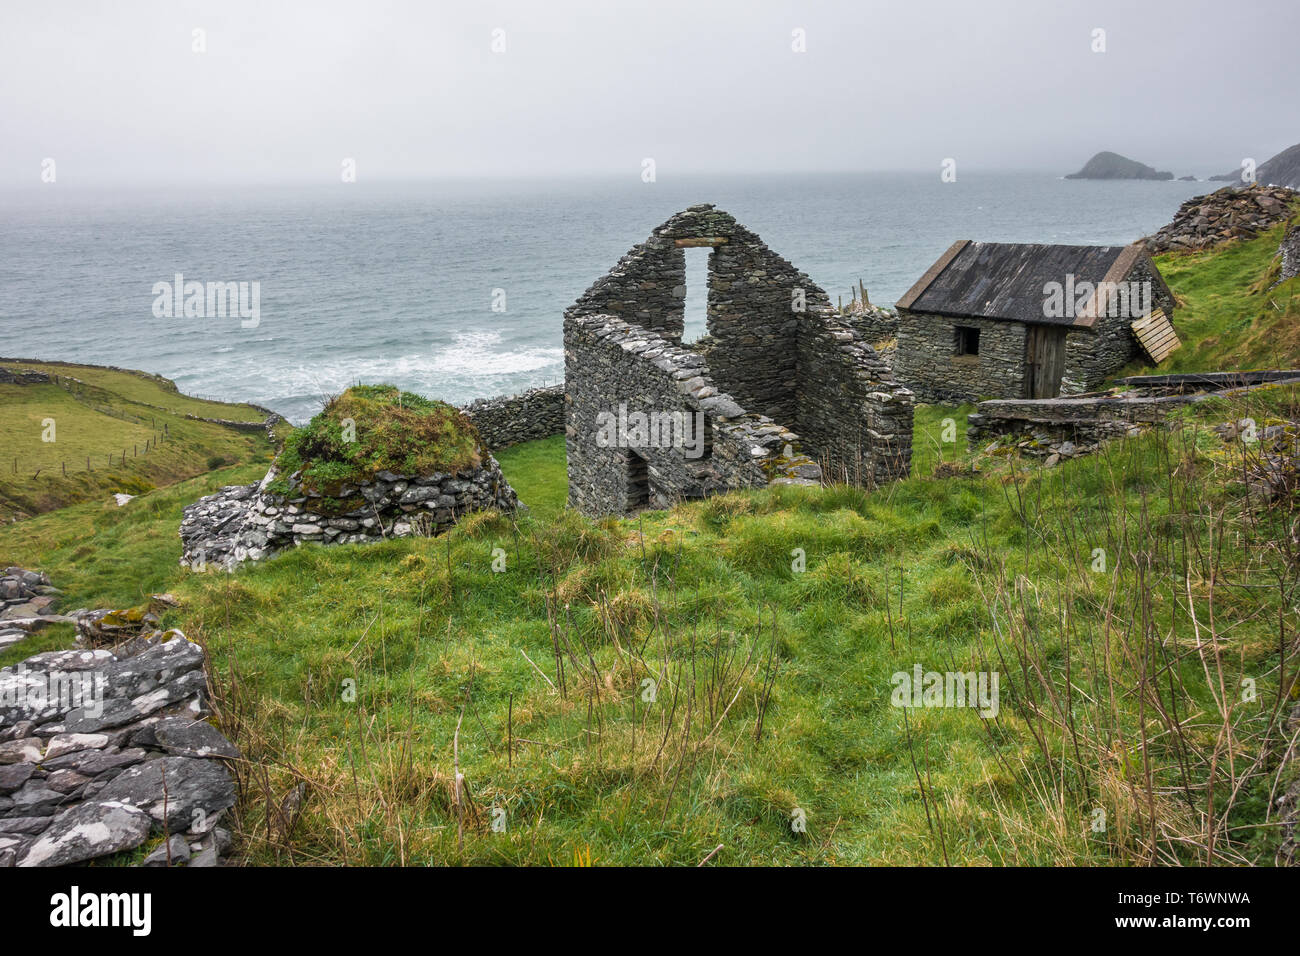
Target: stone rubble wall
(1093, 355)
(25, 594)
(774, 343)
(23, 376)
(247, 523)
(89, 738)
(507, 420)
(610, 361)
(267, 425)
(1289, 250)
(927, 363)
(1229, 213)
(27, 602)
(850, 408)
(873, 323)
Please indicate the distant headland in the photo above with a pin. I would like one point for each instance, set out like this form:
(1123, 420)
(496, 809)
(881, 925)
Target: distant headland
(1282, 170)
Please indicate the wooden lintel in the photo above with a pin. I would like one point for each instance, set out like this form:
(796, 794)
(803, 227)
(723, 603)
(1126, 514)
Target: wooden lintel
(695, 243)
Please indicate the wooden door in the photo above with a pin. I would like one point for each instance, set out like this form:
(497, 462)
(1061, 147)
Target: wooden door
(1044, 360)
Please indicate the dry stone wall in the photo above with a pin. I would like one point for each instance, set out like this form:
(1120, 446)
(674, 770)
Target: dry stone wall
(780, 364)
(23, 376)
(927, 361)
(614, 367)
(248, 523)
(849, 407)
(873, 323)
(1290, 252)
(510, 419)
(1229, 213)
(100, 749)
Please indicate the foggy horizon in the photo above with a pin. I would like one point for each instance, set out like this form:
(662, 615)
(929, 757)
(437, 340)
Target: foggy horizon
(121, 96)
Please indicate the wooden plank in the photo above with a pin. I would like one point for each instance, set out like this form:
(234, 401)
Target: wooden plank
(1156, 336)
(1165, 346)
(1155, 333)
(1145, 322)
(696, 243)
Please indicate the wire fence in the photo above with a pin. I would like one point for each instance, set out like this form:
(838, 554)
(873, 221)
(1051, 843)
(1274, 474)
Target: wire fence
(93, 462)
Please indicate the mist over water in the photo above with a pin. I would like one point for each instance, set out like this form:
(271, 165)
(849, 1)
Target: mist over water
(394, 282)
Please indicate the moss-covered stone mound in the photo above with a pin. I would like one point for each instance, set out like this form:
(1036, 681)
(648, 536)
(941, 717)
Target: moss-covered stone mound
(376, 463)
(371, 429)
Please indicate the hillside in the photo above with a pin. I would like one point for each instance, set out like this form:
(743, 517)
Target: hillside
(644, 690)
(72, 433)
(1107, 165)
(1231, 315)
(1282, 170)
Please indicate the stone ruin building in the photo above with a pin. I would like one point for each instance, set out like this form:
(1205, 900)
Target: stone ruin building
(981, 322)
(782, 389)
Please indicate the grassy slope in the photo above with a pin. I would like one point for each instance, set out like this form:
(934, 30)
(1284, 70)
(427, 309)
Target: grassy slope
(1228, 317)
(425, 627)
(992, 572)
(104, 413)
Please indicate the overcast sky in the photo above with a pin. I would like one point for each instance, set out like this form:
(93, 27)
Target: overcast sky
(114, 92)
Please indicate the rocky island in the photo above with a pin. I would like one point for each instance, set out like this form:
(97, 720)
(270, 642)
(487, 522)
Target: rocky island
(1106, 165)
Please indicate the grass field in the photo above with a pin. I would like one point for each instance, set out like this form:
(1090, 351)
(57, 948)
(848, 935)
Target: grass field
(352, 667)
(144, 388)
(100, 431)
(724, 673)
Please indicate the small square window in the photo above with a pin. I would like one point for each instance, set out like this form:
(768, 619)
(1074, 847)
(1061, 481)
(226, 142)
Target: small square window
(968, 340)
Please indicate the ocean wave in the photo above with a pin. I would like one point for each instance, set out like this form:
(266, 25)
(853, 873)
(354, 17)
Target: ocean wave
(473, 365)
(474, 353)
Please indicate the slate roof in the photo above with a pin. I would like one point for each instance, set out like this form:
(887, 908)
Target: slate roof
(1004, 280)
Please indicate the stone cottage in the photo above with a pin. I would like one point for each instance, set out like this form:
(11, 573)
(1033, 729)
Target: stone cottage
(1017, 320)
(781, 389)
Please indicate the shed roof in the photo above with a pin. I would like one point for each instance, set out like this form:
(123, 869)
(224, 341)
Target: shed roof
(1005, 280)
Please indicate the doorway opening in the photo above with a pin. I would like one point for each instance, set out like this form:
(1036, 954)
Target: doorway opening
(638, 482)
(1044, 361)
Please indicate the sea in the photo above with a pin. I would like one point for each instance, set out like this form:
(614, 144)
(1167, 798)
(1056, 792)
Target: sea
(456, 289)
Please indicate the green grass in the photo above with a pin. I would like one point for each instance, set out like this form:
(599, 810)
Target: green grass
(938, 436)
(429, 636)
(101, 431)
(145, 389)
(373, 428)
(538, 472)
(1228, 317)
(771, 623)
